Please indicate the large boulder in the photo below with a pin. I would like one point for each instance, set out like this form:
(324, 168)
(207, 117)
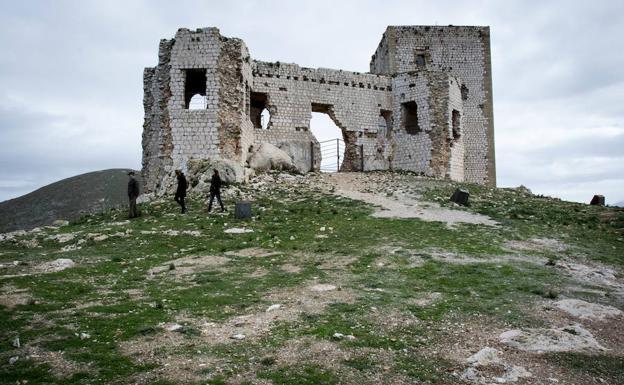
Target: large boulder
(200, 172)
(268, 157)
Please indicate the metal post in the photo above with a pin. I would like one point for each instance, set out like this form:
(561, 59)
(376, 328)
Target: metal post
(337, 155)
(311, 156)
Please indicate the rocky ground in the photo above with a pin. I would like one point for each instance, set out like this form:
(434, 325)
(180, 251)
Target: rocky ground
(337, 279)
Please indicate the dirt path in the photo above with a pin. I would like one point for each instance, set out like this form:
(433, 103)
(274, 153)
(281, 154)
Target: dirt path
(393, 203)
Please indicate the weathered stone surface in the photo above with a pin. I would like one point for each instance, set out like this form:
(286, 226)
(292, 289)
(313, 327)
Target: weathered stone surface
(572, 338)
(426, 106)
(587, 310)
(268, 157)
(200, 172)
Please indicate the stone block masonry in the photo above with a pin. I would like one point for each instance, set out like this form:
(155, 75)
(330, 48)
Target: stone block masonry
(426, 105)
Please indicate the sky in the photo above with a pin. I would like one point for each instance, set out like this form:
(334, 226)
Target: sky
(71, 78)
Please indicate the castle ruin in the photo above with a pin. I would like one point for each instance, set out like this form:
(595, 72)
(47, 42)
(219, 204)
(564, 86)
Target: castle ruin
(425, 106)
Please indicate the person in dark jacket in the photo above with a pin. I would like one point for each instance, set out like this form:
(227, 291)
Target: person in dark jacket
(215, 190)
(133, 194)
(181, 190)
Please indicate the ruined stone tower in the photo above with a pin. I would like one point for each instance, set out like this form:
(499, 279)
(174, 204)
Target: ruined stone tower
(425, 106)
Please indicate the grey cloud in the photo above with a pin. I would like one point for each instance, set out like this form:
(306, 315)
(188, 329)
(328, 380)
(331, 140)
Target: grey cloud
(71, 75)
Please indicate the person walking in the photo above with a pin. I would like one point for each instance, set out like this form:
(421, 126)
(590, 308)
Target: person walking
(181, 190)
(215, 190)
(133, 194)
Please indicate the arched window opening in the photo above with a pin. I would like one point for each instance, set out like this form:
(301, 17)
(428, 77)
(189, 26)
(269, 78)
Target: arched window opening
(265, 118)
(197, 102)
(385, 123)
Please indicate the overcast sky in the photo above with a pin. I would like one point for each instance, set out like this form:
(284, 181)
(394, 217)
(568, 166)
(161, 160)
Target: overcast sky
(71, 78)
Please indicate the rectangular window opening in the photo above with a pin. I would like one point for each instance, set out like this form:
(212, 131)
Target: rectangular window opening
(410, 117)
(195, 89)
(456, 122)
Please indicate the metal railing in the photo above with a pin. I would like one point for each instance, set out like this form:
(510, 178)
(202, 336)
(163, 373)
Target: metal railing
(332, 154)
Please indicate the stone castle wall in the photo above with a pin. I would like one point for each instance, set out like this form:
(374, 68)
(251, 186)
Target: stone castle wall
(463, 52)
(425, 106)
(352, 100)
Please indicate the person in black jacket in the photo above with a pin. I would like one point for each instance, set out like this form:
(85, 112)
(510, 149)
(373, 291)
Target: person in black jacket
(133, 194)
(215, 190)
(181, 190)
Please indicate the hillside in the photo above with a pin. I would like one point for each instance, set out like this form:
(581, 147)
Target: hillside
(66, 199)
(360, 279)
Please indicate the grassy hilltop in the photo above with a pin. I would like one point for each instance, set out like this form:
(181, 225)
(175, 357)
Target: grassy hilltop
(319, 288)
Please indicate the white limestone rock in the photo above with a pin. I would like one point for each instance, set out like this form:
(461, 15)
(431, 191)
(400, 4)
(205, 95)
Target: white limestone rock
(200, 172)
(237, 230)
(571, 338)
(56, 265)
(587, 310)
(268, 157)
(484, 357)
(321, 287)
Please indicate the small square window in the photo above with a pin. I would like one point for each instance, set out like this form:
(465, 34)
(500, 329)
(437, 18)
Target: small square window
(420, 60)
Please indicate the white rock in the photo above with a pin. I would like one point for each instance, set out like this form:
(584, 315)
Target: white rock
(120, 223)
(274, 307)
(56, 265)
(587, 310)
(62, 238)
(238, 337)
(485, 356)
(85, 336)
(237, 230)
(13, 360)
(67, 248)
(172, 326)
(572, 338)
(323, 287)
(269, 157)
(338, 335)
(16, 342)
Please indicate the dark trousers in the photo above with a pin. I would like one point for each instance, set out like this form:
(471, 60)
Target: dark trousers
(133, 211)
(180, 200)
(214, 194)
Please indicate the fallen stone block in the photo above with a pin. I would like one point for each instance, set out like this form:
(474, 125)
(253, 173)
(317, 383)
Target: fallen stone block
(460, 197)
(242, 210)
(598, 200)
